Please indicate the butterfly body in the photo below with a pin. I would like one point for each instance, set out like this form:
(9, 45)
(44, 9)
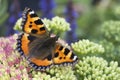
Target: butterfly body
(38, 46)
(44, 47)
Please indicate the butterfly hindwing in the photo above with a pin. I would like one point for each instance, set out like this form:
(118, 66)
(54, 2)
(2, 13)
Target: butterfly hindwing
(41, 64)
(31, 23)
(64, 56)
(23, 42)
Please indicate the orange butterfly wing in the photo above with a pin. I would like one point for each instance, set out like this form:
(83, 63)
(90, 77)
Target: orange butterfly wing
(64, 56)
(22, 46)
(31, 23)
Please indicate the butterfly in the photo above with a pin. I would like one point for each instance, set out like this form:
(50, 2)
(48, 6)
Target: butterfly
(37, 45)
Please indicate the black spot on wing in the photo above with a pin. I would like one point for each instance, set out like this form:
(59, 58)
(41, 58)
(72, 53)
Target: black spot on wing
(42, 28)
(31, 38)
(72, 56)
(33, 15)
(30, 26)
(61, 47)
(34, 31)
(60, 58)
(66, 51)
(56, 54)
(38, 22)
(30, 22)
(49, 57)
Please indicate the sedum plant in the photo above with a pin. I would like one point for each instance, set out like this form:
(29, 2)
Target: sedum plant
(110, 39)
(95, 68)
(111, 30)
(62, 73)
(57, 24)
(18, 25)
(11, 65)
(86, 47)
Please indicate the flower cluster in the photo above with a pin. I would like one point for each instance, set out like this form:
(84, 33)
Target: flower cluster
(110, 39)
(18, 25)
(11, 65)
(95, 68)
(62, 73)
(57, 25)
(87, 47)
(112, 51)
(55, 73)
(111, 30)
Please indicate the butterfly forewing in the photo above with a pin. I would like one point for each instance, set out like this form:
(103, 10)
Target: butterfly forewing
(31, 23)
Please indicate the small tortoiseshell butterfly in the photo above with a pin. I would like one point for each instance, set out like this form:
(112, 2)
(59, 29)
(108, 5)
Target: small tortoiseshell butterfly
(37, 45)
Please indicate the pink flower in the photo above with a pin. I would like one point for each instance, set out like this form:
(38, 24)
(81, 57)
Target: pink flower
(12, 65)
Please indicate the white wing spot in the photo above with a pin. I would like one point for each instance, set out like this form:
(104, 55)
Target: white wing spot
(32, 12)
(75, 57)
